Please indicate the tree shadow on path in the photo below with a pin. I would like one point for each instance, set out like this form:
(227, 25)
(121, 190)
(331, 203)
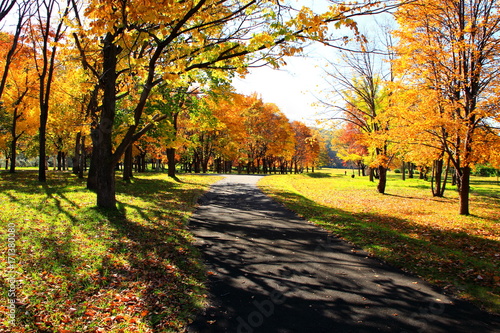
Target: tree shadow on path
(271, 271)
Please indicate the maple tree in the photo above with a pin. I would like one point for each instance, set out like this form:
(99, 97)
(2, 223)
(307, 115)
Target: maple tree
(366, 97)
(17, 107)
(68, 120)
(449, 50)
(46, 29)
(349, 146)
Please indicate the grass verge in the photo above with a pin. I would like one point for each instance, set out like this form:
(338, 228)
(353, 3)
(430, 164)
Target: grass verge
(79, 269)
(407, 227)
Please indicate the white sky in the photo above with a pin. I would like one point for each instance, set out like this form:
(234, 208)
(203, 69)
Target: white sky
(294, 88)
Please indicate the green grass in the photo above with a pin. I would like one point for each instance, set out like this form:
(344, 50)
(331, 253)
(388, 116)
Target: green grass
(79, 269)
(407, 227)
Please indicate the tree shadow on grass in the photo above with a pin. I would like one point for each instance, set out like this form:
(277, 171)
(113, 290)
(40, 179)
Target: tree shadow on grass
(149, 270)
(322, 175)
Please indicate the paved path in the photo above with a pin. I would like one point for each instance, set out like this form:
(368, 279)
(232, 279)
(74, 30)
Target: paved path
(275, 272)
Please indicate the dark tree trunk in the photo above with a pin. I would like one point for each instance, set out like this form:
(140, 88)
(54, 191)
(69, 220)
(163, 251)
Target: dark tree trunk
(171, 162)
(127, 165)
(77, 157)
(82, 158)
(102, 138)
(15, 138)
(92, 176)
(403, 170)
(437, 169)
(60, 160)
(13, 156)
(42, 176)
(372, 175)
(439, 186)
(382, 181)
(142, 162)
(464, 189)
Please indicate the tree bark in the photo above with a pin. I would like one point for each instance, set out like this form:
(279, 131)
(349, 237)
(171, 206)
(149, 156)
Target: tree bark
(76, 158)
(101, 136)
(15, 138)
(82, 158)
(42, 141)
(382, 181)
(437, 170)
(372, 174)
(127, 165)
(171, 162)
(464, 190)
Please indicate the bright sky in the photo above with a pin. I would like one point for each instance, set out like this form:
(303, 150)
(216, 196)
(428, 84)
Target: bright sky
(295, 87)
(292, 88)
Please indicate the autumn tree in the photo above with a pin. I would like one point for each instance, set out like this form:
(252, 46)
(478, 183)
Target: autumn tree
(350, 148)
(365, 99)
(17, 107)
(47, 29)
(306, 147)
(449, 50)
(68, 120)
(189, 37)
(10, 45)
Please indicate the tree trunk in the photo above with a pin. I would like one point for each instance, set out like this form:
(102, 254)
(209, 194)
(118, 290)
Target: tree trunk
(59, 160)
(42, 141)
(82, 158)
(403, 170)
(127, 165)
(102, 138)
(76, 158)
(15, 138)
(171, 162)
(13, 156)
(382, 181)
(464, 189)
(92, 176)
(143, 163)
(437, 170)
(372, 174)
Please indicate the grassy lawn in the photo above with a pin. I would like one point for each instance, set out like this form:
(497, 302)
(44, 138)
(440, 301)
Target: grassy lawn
(407, 227)
(79, 269)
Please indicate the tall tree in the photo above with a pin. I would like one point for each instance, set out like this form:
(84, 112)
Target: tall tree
(47, 29)
(451, 50)
(350, 147)
(16, 109)
(366, 96)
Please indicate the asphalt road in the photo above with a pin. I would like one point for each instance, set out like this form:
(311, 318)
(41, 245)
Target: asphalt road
(272, 271)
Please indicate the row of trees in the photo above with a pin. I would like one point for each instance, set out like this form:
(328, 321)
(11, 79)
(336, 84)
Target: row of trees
(434, 103)
(221, 131)
(102, 64)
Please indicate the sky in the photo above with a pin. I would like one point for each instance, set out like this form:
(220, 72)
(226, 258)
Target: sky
(295, 88)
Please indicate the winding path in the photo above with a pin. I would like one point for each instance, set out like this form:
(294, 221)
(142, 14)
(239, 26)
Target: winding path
(272, 271)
